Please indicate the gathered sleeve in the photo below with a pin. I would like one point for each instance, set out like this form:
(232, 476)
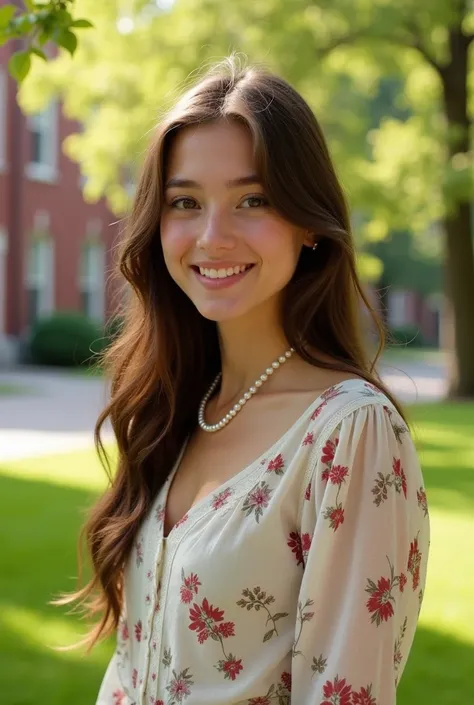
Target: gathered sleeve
(364, 541)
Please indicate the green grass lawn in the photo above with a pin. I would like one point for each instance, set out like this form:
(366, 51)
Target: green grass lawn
(42, 504)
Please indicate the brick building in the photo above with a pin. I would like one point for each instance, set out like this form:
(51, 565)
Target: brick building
(54, 248)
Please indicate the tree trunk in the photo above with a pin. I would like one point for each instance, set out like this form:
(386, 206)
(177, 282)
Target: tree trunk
(458, 225)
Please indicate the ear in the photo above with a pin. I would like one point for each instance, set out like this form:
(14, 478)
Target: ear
(310, 239)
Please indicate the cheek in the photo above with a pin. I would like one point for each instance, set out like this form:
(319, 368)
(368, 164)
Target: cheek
(175, 241)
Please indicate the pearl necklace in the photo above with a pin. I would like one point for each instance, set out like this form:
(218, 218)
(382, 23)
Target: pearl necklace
(248, 395)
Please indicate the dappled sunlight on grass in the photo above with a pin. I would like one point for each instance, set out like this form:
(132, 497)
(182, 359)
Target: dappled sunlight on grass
(81, 469)
(48, 632)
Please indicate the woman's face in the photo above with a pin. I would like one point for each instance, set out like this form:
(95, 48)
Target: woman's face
(223, 245)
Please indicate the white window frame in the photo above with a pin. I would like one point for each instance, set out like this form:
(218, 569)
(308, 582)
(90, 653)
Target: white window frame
(92, 278)
(3, 279)
(46, 123)
(44, 278)
(3, 118)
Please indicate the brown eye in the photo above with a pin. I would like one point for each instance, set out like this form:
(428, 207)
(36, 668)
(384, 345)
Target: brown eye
(183, 204)
(255, 201)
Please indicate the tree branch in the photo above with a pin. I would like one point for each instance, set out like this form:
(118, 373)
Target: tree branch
(411, 40)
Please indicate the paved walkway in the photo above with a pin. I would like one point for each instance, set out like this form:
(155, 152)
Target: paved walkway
(55, 411)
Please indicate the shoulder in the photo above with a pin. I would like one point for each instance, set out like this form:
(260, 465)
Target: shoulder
(354, 403)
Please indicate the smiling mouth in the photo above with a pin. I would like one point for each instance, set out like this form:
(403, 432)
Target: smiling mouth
(222, 273)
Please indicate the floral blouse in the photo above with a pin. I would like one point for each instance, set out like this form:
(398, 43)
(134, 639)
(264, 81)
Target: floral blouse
(299, 581)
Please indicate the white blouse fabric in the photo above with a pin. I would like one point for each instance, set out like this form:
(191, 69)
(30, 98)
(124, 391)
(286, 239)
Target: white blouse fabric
(300, 581)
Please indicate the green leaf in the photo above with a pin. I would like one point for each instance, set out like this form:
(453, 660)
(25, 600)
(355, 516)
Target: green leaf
(6, 14)
(82, 24)
(19, 65)
(279, 615)
(30, 5)
(63, 18)
(268, 635)
(67, 40)
(38, 52)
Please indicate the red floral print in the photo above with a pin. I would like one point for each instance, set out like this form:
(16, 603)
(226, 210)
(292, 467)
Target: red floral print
(257, 500)
(307, 494)
(119, 697)
(219, 500)
(402, 581)
(335, 516)
(180, 687)
(329, 451)
(189, 588)
(160, 514)
(414, 561)
(396, 479)
(294, 542)
(286, 679)
(138, 630)
(337, 692)
(317, 411)
(300, 545)
(124, 634)
(399, 473)
(276, 465)
(139, 553)
(398, 429)
(364, 697)
(308, 439)
(422, 501)
(381, 601)
(231, 667)
(134, 678)
(332, 393)
(261, 700)
(338, 474)
(207, 621)
(181, 521)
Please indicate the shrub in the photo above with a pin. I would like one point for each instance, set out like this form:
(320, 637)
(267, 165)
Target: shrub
(66, 339)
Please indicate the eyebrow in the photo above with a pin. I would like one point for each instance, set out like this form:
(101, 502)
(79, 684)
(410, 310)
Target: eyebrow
(176, 182)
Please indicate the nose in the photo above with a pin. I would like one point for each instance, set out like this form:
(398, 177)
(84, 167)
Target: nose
(215, 233)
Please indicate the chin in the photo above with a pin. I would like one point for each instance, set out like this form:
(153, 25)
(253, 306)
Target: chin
(220, 313)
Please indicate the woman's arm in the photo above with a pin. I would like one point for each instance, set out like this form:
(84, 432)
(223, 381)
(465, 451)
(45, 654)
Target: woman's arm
(365, 540)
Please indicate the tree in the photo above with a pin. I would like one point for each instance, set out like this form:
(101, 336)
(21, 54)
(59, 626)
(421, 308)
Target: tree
(411, 171)
(38, 22)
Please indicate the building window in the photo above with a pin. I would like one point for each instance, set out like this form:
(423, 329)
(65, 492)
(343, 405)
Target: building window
(3, 118)
(40, 279)
(92, 280)
(44, 137)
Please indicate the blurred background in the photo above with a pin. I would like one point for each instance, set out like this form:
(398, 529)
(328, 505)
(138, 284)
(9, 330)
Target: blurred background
(81, 85)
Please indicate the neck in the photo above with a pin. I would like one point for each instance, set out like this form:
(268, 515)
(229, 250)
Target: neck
(248, 346)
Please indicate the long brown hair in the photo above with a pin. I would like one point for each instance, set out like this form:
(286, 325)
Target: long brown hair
(167, 354)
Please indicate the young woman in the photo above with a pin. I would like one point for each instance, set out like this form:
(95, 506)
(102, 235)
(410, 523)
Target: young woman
(265, 537)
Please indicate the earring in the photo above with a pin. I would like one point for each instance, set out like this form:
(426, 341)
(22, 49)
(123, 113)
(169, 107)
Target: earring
(314, 246)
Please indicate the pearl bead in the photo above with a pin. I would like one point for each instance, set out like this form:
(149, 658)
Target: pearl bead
(237, 407)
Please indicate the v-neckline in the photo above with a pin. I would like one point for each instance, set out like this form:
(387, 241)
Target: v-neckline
(235, 480)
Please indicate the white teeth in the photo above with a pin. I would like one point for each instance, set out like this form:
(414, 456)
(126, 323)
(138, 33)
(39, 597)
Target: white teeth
(222, 273)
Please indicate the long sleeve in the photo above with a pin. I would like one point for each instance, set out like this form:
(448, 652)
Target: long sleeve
(111, 691)
(364, 543)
